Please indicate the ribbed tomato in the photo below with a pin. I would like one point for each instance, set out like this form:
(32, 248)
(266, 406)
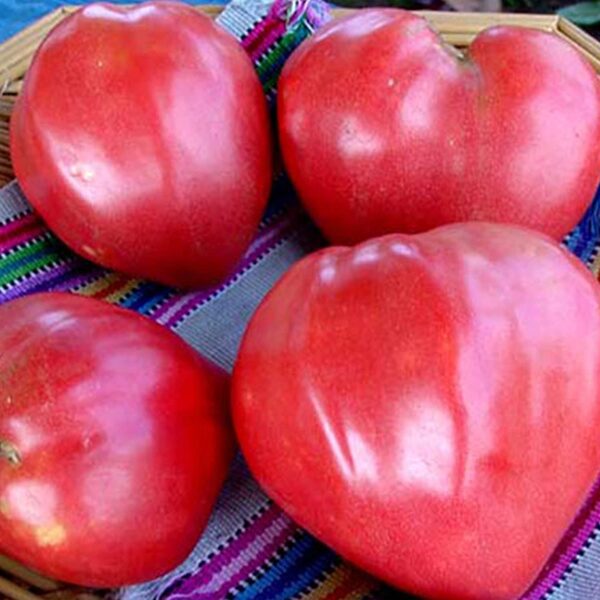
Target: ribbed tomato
(429, 405)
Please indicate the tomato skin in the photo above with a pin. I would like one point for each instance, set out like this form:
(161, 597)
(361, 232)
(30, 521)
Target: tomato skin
(428, 405)
(123, 436)
(142, 137)
(382, 130)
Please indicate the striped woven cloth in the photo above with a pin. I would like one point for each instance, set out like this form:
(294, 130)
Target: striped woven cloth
(251, 550)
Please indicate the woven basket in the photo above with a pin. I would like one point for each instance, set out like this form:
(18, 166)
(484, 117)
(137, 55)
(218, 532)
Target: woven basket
(458, 29)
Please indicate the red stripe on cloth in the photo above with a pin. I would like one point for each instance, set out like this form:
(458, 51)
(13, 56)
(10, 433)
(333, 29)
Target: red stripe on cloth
(19, 230)
(352, 581)
(117, 284)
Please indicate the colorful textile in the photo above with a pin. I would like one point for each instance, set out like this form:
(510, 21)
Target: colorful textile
(251, 550)
(269, 31)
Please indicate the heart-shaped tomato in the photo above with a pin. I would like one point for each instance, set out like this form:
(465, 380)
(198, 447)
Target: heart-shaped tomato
(385, 129)
(429, 405)
(114, 441)
(142, 137)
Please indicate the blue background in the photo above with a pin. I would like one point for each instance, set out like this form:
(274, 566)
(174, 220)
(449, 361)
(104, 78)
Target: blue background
(17, 14)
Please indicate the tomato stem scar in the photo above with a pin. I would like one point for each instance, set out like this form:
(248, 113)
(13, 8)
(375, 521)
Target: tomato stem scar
(10, 453)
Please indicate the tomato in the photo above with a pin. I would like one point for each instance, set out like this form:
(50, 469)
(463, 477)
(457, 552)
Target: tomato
(114, 441)
(141, 136)
(429, 405)
(386, 129)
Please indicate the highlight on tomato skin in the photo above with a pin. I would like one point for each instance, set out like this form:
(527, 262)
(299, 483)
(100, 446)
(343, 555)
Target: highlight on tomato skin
(115, 440)
(384, 129)
(414, 402)
(142, 137)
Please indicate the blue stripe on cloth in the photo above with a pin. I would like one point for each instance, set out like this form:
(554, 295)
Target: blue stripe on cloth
(583, 240)
(282, 196)
(299, 560)
(313, 563)
(145, 297)
(153, 302)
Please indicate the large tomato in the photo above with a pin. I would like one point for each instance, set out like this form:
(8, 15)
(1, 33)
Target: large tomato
(429, 405)
(386, 129)
(141, 135)
(114, 441)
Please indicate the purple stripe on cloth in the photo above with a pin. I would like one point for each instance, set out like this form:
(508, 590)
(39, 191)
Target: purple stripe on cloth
(170, 313)
(300, 10)
(571, 544)
(264, 545)
(240, 559)
(62, 277)
(262, 522)
(317, 16)
(163, 314)
(71, 283)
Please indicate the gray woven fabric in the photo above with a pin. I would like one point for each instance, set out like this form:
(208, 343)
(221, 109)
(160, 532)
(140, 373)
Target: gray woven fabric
(582, 581)
(12, 202)
(240, 16)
